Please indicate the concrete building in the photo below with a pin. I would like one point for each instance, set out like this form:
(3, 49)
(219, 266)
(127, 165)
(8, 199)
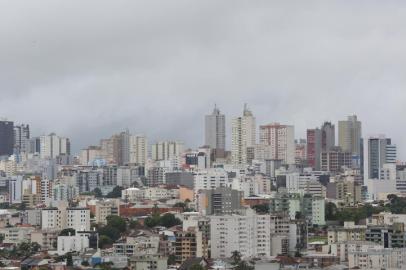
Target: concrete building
(63, 218)
(313, 148)
(47, 239)
(16, 235)
(348, 232)
(210, 179)
(334, 160)
(349, 135)
(180, 179)
(72, 243)
(148, 262)
(89, 179)
(128, 175)
(347, 191)
(6, 138)
(21, 138)
(145, 243)
(387, 183)
(377, 258)
(52, 146)
(90, 154)
(105, 208)
(278, 141)
(247, 233)
(215, 132)
(378, 151)
(138, 149)
(132, 195)
(219, 201)
(243, 137)
(167, 150)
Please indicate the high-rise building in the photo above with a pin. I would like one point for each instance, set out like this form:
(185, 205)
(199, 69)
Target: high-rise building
(279, 142)
(215, 132)
(88, 155)
(314, 148)
(6, 138)
(328, 136)
(319, 140)
(124, 148)
(349, 135)
(243, 138)
(220, 201)
(52, 146)
(378, 150)
(21, 138)
(335, 159)
(138, 149)
(110, 149)
(167, 150)
(248, 233)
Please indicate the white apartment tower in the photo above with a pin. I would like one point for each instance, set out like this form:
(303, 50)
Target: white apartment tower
(52, 146)
(243, 138)
(278, 142)
(138, 149)
(249, 234)
(215, 131)
(167, 150)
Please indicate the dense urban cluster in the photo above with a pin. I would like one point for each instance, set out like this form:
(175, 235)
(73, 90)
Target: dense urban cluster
(268, 201)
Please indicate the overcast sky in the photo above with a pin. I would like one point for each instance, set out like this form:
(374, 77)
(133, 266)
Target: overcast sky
(87, 69)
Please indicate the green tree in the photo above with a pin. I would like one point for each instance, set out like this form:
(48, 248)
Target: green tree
(115, 193)
(169, 220)
(69, 259)
(331, 211)
(109, 231)
(104, 240)
(236, 257)
(171, 259)
(117, 222)
(134, 224)
(261, 208)
(67, 232)
(97, 193)
(180, 205)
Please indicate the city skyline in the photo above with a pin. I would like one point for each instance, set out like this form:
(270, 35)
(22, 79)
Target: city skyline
(301, 71)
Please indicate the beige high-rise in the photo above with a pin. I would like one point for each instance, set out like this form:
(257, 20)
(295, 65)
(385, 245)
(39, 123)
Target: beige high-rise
(349, 135)
(243, 137)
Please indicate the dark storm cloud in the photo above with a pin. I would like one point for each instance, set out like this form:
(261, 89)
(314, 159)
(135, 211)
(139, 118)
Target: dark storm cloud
(86, 69)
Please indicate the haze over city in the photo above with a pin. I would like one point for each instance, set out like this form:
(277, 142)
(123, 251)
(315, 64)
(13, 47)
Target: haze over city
(89, 69)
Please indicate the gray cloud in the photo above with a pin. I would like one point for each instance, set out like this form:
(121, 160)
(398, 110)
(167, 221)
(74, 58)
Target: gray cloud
(86, 69)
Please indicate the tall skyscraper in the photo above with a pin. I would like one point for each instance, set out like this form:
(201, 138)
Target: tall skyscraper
(52, 146)
(349, 135)
(314, 139)
(21, 138)
(215, 132)
(328, 136)
(378, 150)
(124, 148)
(318, 141)
(6, 138)
(243, 138)
(138, 149)
(278, 141)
